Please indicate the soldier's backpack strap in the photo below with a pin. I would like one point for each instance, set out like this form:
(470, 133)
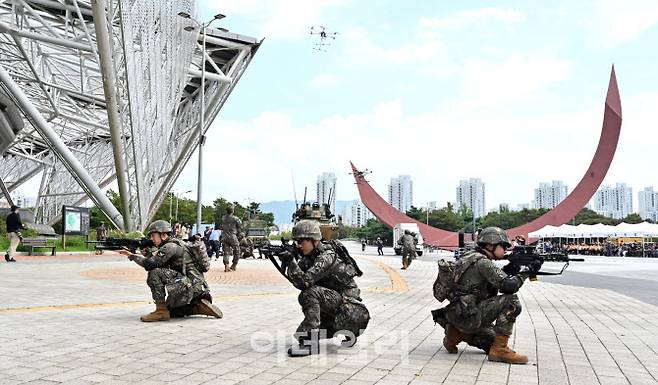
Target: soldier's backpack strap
(342, 252)
(461, 268)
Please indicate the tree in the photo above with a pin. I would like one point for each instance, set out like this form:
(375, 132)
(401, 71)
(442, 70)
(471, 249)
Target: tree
(633, 218)
(416, 213)
(373, 229)
(591, 217)
(446, 219)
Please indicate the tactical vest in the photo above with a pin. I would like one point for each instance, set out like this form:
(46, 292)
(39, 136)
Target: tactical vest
(342, 271)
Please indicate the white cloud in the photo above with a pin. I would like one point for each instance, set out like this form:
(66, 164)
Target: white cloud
(279, 19)
(512, 154)
(363, 50)
(613, 22)
(516, 78)
(476, 16)
(324, 80)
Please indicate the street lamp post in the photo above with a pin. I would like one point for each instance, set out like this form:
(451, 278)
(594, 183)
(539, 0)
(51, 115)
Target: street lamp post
(202, 91)
(188, 191)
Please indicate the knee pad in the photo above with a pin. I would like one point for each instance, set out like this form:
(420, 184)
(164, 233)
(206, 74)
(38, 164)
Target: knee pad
(513, 304)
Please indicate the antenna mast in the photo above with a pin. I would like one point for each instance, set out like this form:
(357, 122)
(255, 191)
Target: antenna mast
(294, 191)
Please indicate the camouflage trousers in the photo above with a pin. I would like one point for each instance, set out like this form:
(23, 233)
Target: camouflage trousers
(408, 255)
(332, 311)
(163, 281)
(231, 246)
(501, 310)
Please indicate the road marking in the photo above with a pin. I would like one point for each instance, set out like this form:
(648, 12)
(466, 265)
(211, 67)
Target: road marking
(398, 284)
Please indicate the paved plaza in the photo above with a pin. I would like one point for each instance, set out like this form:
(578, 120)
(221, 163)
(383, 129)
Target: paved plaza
(74, 319)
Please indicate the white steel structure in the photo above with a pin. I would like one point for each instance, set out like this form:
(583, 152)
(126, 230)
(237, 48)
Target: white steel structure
(110, 91)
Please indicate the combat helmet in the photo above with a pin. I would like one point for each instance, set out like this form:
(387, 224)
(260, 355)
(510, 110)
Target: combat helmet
(159, 226)
(307, 229)
(407, 232)
(493, 236)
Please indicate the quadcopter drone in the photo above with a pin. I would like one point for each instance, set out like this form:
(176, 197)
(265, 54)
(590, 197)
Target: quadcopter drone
(361, 174)
(325, 37)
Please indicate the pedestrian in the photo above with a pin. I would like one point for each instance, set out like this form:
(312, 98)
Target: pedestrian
(14, 227)
(363, 245)
(380, 246)
(213, 240)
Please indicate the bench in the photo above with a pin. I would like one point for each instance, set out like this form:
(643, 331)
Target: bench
(37, 243)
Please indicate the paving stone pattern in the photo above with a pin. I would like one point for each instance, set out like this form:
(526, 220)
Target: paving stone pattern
(572, 335)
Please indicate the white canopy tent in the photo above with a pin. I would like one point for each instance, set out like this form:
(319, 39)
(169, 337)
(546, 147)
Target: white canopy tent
(599, 230)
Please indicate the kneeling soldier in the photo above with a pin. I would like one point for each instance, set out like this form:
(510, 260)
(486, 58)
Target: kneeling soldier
(329, 297)
(177, 286)
(476, 303)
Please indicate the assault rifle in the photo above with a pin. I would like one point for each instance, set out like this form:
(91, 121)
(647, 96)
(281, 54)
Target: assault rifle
(285, 250)
(124, 243)
(527, 256)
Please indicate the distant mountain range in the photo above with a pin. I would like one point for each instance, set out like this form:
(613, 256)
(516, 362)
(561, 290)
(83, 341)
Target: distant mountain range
(283, 210)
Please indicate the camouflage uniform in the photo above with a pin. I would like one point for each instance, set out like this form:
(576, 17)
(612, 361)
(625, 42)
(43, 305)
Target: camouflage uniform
(172, 271)
(478, 305)
(231, 226)
(330, 296)
(408, 249)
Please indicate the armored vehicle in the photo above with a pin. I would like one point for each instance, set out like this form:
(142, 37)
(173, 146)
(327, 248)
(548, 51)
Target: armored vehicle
(320, 213)
(256, 236)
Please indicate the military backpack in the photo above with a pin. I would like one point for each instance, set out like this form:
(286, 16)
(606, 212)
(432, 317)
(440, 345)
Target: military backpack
(446, 286)
(197, 251)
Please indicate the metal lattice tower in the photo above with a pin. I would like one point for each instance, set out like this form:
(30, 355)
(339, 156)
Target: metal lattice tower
(69, 65)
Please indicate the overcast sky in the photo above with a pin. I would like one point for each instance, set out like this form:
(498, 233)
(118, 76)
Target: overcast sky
(509, 91)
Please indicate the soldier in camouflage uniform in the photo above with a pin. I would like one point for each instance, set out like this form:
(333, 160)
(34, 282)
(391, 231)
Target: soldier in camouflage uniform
(330, 298)
(231, 226)
(408, 243)
(477, 305)
(177, 286)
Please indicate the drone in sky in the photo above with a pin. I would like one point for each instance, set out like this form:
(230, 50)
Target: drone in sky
(361, 174)
(325, 37)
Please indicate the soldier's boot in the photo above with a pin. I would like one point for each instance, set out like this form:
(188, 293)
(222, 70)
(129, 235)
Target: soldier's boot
(226, 268)
(234, 265)
(453, 337)
(404, 264)
(205, 307)
(500, 352)
(161, 313)
(305, 346)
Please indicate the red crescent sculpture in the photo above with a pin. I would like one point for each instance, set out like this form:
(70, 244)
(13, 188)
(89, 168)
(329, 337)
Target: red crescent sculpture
(559, 215)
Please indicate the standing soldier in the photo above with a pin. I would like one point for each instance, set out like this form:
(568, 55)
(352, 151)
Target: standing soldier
(408, 249)
(380, 246)
(329, 296)
(476, 304)
(231, 227)
(101, 235)
(171, 267)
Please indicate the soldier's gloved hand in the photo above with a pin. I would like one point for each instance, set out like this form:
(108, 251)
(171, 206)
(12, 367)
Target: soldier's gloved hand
(535, 266)
(285, 256)
(511, 269)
